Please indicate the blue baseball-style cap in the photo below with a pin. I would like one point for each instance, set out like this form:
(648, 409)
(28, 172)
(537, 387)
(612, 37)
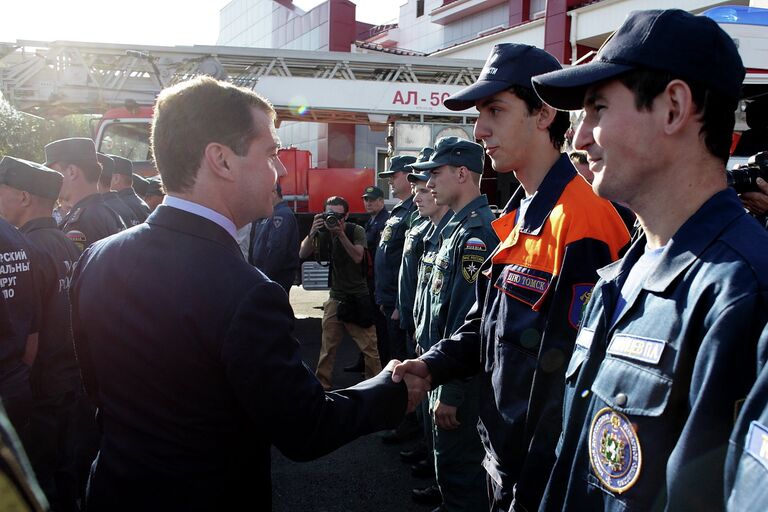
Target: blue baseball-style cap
(397, 164)
(690, 47)
(372, 193)
(424, 155)
(508, 64)
(456, 152)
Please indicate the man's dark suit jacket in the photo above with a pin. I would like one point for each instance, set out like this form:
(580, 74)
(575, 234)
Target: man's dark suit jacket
(196, 379)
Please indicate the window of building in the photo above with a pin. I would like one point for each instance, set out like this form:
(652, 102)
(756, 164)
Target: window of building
(419, 8)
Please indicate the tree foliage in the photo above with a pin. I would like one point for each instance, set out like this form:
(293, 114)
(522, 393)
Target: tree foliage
(24, 135)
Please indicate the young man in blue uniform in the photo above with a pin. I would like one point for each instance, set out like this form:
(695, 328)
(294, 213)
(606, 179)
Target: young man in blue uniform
(122, 182)
(275, 243)
(204, 376)
(28, 192)
(109, 196)
(89, 219)
(666, 351)
(555, 233)
(466, 241)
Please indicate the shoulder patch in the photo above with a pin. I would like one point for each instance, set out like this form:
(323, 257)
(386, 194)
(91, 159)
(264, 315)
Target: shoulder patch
(757, 442)
(78, 237)
(470, 266)
(475, 244)
(579, 299)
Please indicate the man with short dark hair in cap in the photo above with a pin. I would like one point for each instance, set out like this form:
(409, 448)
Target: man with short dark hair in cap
(155, 193)
(89, 219)
(110, 197)
(274, 245)
(438, 216)
(28, 192)
(122, 182)
(389, 257)
(455, 169)
(555, 233)
(666, 352)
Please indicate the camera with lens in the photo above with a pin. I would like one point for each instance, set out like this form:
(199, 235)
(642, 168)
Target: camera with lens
(744, 177)
(331, 220)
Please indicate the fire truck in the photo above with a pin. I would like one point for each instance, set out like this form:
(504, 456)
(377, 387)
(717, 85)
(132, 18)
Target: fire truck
(400, 95)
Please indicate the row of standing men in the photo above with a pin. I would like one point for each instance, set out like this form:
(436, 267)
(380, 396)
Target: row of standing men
(92, 195)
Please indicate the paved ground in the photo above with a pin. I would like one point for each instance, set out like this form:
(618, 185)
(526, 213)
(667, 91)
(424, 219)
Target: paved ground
(365, 475)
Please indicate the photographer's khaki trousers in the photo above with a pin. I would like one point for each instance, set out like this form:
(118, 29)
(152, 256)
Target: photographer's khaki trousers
(333, 332)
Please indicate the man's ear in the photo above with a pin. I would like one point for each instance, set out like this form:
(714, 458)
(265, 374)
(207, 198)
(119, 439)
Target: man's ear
(678, 105)
(545, 117)
(217, 158)
(26, 198)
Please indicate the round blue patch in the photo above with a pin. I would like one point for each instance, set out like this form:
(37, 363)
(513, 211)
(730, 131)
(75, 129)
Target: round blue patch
(614, 450)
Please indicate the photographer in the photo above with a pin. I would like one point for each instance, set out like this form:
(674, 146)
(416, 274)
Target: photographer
(348, 307)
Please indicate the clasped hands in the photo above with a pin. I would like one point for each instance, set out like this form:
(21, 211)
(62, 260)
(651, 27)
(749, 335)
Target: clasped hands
(416, 376)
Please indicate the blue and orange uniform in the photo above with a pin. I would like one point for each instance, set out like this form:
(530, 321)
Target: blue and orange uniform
(520, 333)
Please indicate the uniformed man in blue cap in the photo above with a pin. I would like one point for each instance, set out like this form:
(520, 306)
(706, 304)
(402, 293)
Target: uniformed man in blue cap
(438, 216)
(555, 233)
(110, 197)
(155, 193)
(122, 182)
(666, 352)
(89, 219)
(389, 254)
(455, 168)
(28, 192)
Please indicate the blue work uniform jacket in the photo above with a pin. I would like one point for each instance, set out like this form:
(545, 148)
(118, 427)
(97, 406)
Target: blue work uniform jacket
(432, 240)
(275, 246)
(389, 253)
(89, 220)
(746, 467)
(409, 268)
(519, 335)
(650, 400)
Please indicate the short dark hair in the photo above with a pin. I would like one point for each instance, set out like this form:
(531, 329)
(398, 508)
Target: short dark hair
(91, 170)
(337, 201)
(559, 125)
(716, 111)
(192, 114)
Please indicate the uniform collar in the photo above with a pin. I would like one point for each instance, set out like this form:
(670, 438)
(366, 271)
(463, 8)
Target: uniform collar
(433, 234)
(126, 192)
(38, 223)
(550, 190)
(405, 203)
(183, 220)
(460, 216)
(685, 246)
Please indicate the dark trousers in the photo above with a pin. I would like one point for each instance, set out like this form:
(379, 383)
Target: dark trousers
(51, 448)
(397, 337)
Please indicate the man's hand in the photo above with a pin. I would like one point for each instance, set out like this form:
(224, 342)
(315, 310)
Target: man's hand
(756, 202)
(445, 416)
(416, 375)
(395, 315)
(317, 223)
(338, 229)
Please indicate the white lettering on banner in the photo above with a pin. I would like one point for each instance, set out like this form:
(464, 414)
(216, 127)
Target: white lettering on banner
(647, 350)
(379, 97)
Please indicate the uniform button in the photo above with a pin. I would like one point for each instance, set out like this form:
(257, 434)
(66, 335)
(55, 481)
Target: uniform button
(621, 399)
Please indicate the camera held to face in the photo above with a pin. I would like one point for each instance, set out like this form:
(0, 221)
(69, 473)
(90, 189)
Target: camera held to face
(331, 220)
(744, 177)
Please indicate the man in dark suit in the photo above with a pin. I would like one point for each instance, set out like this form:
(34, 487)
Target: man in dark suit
(195, 383)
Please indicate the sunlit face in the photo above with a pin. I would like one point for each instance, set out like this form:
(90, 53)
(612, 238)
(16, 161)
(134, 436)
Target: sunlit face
(11, 208)
(619, 140)
(443, 184)
(401, 187)
(506, 129)
(65, 194)
(257, 171)
(424, 200)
